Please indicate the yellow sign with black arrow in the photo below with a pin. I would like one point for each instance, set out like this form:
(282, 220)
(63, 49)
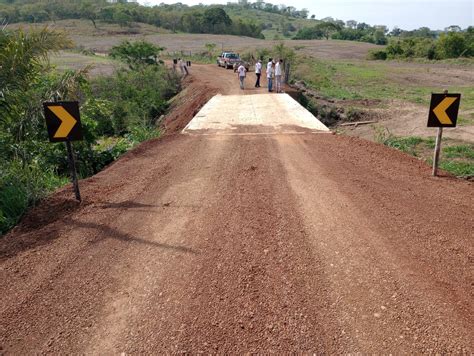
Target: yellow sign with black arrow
(63, 121)
(444, 110)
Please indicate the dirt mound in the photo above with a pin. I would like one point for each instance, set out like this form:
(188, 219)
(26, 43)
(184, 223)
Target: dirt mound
(186, 105)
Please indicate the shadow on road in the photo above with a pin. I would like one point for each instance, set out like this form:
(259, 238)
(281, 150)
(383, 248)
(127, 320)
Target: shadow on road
(107, 232)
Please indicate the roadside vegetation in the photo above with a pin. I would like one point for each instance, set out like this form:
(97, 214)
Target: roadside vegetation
(117, 112)
(452, 44)
(354, 80)
(340, 30)
(456, 157)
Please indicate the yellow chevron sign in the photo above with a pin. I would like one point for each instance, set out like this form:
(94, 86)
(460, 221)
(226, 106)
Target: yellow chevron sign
(67, 121)
(444, 110)
(63, 121)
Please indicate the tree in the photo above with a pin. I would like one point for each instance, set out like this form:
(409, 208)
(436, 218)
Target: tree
(451, 45)
(453, 28)
(216, 17)
(89, 11)
(260, 5)
(327, 28)
(122, 17)
(362, 26)
(309, 33)
(137, 54)
(379, 37)
(382, 28)
(396, 32)
(313, 16)
(22, 56)
(328, 19)
(304, 13)
(351, 24)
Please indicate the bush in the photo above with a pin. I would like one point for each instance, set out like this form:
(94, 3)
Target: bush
(23, 185)
(140, 97)
(451, 45)
(309, 33)
(376, 54)
(136, 54)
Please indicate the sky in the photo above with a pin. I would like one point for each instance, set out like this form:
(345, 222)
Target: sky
(406, 14)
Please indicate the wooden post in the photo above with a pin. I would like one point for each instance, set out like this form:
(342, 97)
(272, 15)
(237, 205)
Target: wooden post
(437, 150)
(287, 73)
(72, 166)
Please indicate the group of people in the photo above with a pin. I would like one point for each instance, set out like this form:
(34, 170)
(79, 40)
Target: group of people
(274, 73)
(183, 66)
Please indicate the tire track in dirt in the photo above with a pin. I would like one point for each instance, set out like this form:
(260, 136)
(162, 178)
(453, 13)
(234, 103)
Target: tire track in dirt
(389, 294)
(256, 287)
(76, 280)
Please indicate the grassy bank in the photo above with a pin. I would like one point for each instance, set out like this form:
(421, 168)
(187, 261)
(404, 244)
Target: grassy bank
(412, 82)
(456, 157)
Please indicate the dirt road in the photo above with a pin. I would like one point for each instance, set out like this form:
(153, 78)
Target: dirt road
(245, 243)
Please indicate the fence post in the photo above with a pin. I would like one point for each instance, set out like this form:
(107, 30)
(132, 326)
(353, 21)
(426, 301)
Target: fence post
(287, 73)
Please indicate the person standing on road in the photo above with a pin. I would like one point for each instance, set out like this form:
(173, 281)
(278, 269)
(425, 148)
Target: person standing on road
(278, 74)
(241, 73)
(181, 66)
(185, 68)
(258, 72)
(270, 72)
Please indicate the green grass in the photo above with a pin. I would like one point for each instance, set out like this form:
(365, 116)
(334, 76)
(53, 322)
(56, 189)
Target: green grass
(457, 159)
(353, 80)
(467, 120)
(458, 168)
(460, 151)
(74, 60)
(405, 144)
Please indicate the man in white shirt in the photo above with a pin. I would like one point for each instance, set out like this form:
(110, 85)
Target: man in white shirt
(241, 73)
(278, 75)
(258, 72)
(270, 72)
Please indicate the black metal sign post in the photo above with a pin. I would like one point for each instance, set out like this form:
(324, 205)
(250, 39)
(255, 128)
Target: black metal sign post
(72, 167)
(444, 110)
(64, 125)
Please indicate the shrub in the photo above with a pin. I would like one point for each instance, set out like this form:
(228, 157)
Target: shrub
(376, 54)
(140, 97)
(136, 54)
(23, 185)
(451, 45)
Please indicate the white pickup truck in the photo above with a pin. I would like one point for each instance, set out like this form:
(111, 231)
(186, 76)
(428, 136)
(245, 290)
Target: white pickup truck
(228, 59)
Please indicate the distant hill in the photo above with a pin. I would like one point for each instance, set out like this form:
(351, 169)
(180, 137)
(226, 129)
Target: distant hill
(259, 20)
(251, 19)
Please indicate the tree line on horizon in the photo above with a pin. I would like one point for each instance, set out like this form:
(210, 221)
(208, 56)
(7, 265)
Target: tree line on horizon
(177, 17)
(214, 19)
